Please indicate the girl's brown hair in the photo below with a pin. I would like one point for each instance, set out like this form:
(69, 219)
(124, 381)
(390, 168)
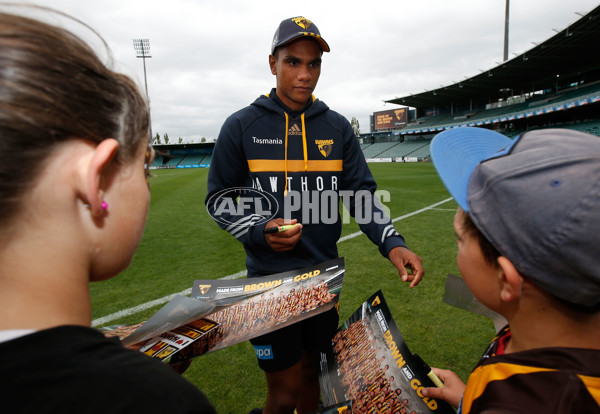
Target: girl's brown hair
(54, 88)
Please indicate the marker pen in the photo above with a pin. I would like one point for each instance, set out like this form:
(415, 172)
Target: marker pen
(434, 378)
(277, 229)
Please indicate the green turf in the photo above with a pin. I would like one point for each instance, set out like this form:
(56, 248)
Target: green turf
(182, 243)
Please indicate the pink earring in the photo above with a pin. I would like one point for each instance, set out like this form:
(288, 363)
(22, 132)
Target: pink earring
(104, 206)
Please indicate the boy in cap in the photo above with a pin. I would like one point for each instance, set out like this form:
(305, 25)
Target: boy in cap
(291, 146)
(528, 231)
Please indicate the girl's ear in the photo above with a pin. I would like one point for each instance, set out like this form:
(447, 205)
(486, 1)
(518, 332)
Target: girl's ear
(510, 280)
(103, 154)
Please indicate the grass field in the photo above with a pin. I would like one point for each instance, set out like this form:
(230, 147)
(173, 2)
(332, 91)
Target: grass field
(182, 243)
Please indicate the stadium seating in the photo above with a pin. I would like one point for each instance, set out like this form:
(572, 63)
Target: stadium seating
(157, 161)
(374, 150)
(415, 148)
(173, 161)
(194, 159)
(591, 127)
(207, 159)
(559, 101)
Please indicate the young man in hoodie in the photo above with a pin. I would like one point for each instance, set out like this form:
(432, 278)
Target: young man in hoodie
(290, 159)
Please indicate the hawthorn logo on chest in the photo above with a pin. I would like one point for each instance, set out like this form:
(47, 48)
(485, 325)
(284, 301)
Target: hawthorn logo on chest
(325, 146)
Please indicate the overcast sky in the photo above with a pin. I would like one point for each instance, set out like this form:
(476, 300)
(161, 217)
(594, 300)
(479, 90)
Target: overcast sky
(210, 58)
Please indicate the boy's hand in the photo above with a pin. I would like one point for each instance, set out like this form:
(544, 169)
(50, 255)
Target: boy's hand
(452, 391)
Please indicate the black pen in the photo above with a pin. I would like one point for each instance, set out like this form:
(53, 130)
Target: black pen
(434, 378)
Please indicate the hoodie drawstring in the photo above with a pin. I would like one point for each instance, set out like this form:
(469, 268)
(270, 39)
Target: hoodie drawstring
(287, 125)
(304, 148)
(304, 144)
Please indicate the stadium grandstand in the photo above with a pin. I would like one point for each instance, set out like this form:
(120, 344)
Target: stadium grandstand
(556, 84)
(182, 155)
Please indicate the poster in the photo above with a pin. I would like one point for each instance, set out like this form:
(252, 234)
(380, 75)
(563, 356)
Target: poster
(221, 313)
(370, 365)
(248, 308)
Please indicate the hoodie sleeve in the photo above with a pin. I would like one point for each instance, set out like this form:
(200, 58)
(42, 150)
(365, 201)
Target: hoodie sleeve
(360, 198)
(227, 178)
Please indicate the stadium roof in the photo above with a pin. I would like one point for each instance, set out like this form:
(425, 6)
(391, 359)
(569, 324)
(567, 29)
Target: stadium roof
(567, 57)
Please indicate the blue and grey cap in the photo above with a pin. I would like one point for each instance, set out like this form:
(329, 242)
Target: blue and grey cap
(535, 198)
(295, 27)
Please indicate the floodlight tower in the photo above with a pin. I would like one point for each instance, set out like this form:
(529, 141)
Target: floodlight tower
(142, 50)
(506, 19)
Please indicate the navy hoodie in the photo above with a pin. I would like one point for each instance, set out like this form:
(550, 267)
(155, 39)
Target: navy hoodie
(270, 161)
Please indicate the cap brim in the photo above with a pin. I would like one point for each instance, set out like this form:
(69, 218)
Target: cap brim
(456, 152)
(322, 43)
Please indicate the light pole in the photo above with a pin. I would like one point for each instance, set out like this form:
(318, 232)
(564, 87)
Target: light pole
(506, 15)
(142, 50)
